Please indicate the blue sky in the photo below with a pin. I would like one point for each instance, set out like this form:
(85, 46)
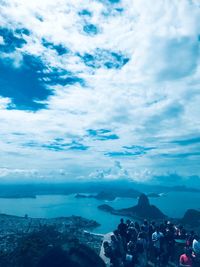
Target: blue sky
(99, 90)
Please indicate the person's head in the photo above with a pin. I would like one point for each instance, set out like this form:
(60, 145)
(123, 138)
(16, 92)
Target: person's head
(171, 227)
(113, 238)
(122, 220)
(180, 227)
(140, 235)
(145, 222)
(128, 222)
(196, 236)
(105, 244)
(157, 228)
(183, 232)
(168, 223)
(116, 232)
(162, 226)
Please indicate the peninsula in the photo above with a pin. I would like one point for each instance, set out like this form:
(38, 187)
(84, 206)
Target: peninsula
(142, 210)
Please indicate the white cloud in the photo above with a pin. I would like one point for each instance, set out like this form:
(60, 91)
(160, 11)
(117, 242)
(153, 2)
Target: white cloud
(4, 102)
(1, 40)
(113, 173)
(17, 172)
(150, 101)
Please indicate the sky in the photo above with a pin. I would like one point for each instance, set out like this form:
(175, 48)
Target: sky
(100, 89)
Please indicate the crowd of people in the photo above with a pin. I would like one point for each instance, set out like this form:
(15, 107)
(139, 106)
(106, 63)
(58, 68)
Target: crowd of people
(164, 244)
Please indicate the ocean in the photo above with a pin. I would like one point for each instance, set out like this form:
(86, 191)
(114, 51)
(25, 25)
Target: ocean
(173, 204)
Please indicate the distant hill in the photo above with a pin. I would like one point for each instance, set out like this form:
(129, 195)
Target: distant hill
(107, 208)
(142, 210)
(112, 194)
(191, 218)
(113, 189)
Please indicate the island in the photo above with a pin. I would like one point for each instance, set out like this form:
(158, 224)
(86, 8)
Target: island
(112, 195)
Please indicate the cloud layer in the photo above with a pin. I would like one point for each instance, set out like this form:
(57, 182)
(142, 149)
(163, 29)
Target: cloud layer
(84, 85)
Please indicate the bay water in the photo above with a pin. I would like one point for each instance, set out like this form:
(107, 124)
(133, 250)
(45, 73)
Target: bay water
(173, 204)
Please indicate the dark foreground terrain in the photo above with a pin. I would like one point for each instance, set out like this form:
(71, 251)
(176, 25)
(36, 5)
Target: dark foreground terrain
(28, 242)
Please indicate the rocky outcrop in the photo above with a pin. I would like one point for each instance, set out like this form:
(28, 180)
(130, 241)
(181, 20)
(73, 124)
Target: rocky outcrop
(143, 201)
(142, 210)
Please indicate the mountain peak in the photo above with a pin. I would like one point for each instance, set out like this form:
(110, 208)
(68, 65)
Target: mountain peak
(143, 201)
